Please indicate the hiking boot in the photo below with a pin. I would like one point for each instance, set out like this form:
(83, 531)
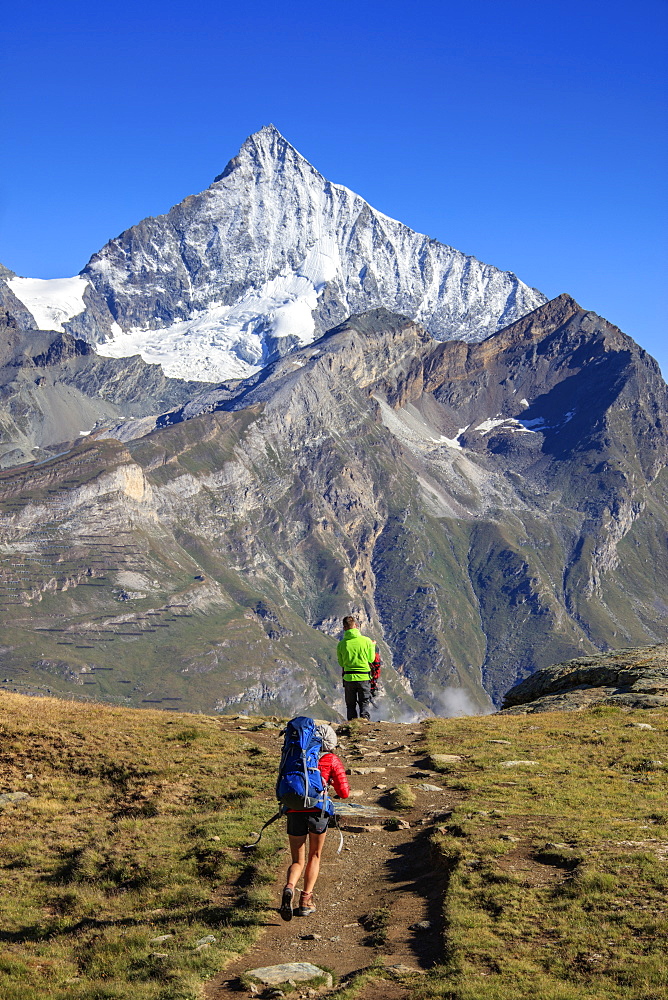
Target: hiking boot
(286, 903)
(306, 905)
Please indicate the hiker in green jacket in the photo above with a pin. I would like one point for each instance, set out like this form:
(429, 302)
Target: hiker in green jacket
(356, 654)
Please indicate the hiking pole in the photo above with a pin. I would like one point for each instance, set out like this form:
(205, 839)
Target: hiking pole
(247, 847)
(336, 824)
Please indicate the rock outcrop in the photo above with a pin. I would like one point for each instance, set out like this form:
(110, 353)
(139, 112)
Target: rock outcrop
(628, 678)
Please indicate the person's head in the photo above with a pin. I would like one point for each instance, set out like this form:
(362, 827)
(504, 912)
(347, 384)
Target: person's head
(328, 737)
(349, 622)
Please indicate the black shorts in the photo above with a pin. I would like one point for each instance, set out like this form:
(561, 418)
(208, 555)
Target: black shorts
(299, 824)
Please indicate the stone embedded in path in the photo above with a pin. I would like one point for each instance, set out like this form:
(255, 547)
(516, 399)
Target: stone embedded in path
(356, 809)
(298, 972)
(365, 770)
(430, 788)
(404, 970)
(355, 828)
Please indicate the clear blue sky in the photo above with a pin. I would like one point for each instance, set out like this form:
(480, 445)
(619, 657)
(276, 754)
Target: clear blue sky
(531, 135)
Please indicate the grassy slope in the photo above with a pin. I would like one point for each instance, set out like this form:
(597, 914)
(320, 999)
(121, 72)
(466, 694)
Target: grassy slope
(189, 631)
(133, 831)
(558, 868)
(557, 874)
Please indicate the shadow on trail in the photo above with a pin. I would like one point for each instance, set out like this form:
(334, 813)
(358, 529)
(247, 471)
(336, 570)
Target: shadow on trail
(415, 866)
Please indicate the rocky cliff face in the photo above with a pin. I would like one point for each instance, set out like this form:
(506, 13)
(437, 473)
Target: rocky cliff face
(486, 509)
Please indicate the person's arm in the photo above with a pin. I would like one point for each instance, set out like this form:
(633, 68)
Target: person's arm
(325, 768)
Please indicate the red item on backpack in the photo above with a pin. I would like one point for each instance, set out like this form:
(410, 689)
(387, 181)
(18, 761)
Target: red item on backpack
(375, 674)
(334, 773)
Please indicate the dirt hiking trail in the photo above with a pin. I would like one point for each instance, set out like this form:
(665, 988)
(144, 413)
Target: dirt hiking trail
(379, 869)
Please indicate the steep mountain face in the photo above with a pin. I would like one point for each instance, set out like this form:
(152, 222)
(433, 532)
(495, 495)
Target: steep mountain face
(269, 257)
(55, 388)
(485, 508)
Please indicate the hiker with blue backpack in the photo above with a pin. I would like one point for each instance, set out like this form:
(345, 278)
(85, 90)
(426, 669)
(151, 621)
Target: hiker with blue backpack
(308, 766)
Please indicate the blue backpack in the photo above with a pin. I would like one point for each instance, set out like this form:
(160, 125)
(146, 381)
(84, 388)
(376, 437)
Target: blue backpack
(299, 784)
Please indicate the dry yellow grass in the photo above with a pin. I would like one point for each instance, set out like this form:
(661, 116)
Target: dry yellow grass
(132, 831)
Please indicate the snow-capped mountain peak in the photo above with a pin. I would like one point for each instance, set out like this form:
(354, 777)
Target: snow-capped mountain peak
(269, 257)
(265, 150)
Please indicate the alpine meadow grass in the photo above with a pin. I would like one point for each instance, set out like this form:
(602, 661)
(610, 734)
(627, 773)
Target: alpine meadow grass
(556, 857)
(123, 874)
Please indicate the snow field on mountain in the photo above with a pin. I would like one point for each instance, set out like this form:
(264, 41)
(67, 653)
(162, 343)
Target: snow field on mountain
(250, 258)
(52, 301)
(230, 341)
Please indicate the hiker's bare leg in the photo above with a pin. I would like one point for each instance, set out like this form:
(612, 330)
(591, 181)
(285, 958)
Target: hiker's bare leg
(298, 854)
(316, 842)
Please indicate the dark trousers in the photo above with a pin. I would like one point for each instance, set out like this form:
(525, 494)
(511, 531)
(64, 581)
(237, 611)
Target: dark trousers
(358, 694)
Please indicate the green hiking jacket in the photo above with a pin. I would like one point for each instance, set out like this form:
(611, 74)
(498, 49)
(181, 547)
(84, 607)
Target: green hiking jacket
(355, 654)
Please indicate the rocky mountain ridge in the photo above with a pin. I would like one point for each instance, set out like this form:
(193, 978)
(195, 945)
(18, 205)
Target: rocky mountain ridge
(55, 388)
(478, 474)
(486, 509)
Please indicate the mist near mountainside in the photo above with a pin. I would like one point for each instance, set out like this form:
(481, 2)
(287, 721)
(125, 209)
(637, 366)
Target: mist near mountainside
(485, 508)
